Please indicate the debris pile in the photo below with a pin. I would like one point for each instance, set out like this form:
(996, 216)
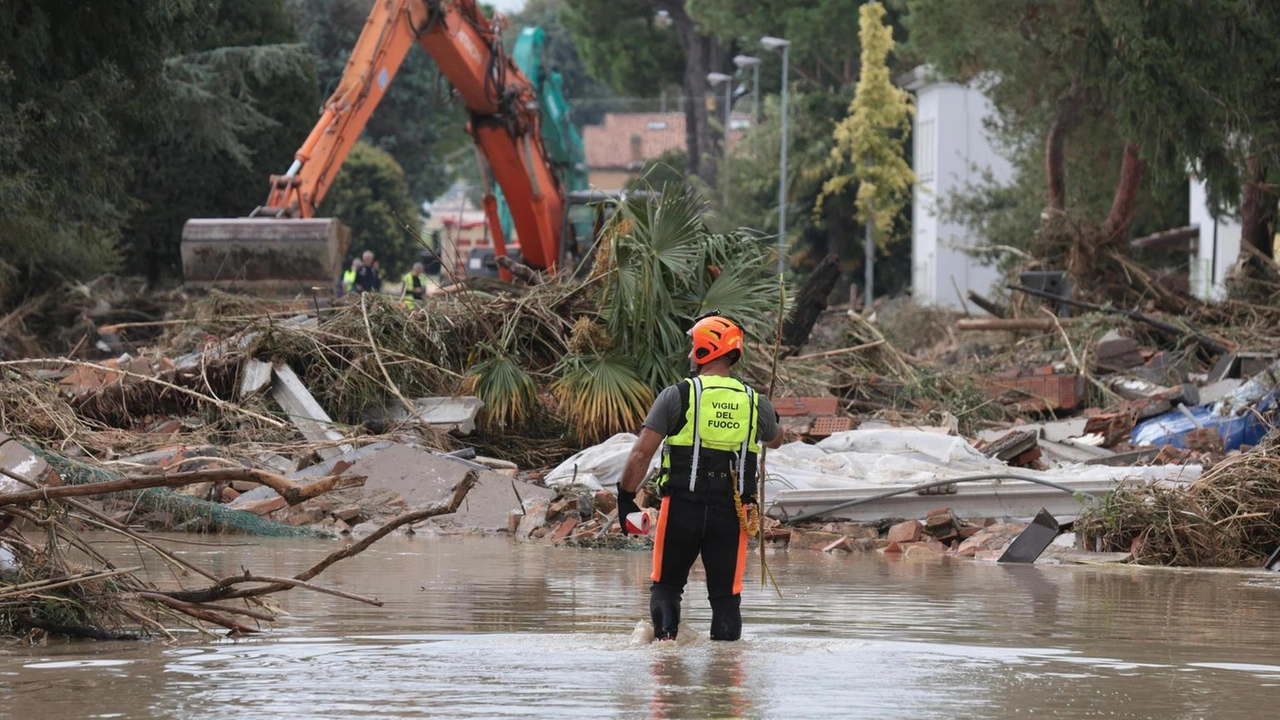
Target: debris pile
(1228, 517)
(53, 581)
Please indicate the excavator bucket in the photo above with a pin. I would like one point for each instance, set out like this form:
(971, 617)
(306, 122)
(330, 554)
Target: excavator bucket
(264, 256)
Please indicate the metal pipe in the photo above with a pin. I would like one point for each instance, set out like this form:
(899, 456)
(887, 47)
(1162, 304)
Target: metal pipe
(724, 156)
(870, 254)
(782, 178)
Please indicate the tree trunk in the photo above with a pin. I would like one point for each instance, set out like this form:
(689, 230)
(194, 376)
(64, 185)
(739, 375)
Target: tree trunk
(1117, 224)
(702, 55)
(1258, 209)
(810, 303)
(1063, 122)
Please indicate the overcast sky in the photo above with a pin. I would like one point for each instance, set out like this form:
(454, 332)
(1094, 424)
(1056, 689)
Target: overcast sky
(508, 6)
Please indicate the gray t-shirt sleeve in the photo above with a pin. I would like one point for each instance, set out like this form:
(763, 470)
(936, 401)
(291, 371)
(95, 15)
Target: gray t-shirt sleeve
(667, 411)
(767, 424)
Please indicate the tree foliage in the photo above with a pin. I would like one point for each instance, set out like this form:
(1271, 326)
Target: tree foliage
(822, 54)
(76, 79)
(1048, 69)
(370, 196)
(625, 44)
(871, 137)
(665, 269)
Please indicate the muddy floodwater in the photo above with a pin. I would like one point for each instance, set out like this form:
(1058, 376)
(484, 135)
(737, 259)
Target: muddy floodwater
(481, 627)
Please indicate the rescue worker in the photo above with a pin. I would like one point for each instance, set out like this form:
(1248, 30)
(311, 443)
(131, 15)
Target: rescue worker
(415, 287)
(367, 279)
(349, 278)
(713, 427)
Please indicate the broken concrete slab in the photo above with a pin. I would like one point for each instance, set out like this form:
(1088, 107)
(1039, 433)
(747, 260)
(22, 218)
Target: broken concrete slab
(255, 376)
(422, 478)
(450, 414)
(305, 413)
(1063, 550)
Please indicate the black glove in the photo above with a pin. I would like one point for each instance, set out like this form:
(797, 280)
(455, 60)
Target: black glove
(626, 506)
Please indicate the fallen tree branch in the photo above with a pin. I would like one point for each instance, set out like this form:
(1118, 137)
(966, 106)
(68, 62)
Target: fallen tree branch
(1010, 324)
(1204, 341)
(995, 309)
(519, 270)
(225, 590)
(200, 613)
(292, 492)
(180, 605)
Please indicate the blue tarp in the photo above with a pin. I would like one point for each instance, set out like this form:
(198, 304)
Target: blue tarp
(1237, 425)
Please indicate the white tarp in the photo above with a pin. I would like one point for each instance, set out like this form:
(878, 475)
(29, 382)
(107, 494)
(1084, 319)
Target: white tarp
(860, 459)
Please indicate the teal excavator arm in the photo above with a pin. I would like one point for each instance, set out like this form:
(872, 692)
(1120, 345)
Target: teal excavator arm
(560, 138)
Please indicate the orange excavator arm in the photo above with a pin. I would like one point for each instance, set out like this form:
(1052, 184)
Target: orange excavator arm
(504, 124)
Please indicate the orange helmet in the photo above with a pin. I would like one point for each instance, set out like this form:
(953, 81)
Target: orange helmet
(714, 336)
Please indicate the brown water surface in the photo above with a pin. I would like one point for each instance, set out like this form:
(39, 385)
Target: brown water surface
(481, 627)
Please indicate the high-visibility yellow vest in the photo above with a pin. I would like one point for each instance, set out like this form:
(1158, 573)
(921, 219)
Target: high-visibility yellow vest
(718, 439)
(411, 282)
(348, 280)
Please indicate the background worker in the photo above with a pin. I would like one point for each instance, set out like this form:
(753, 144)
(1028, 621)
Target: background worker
(713, 426)
(349, 278)
(367, 279)
(415, 287)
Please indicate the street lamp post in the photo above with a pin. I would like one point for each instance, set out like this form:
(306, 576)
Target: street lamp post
(748, 61)
(775, 43)
(717, 79)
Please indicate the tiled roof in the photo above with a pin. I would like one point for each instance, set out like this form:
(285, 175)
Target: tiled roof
(627, 140)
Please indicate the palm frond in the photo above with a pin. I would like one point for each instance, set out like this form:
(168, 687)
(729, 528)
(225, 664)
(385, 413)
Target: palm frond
(600, 396)
(509, 394)
(664, 269)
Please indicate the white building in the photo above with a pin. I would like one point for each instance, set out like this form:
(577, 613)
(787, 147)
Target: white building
(1217, 249)
(952, 151)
